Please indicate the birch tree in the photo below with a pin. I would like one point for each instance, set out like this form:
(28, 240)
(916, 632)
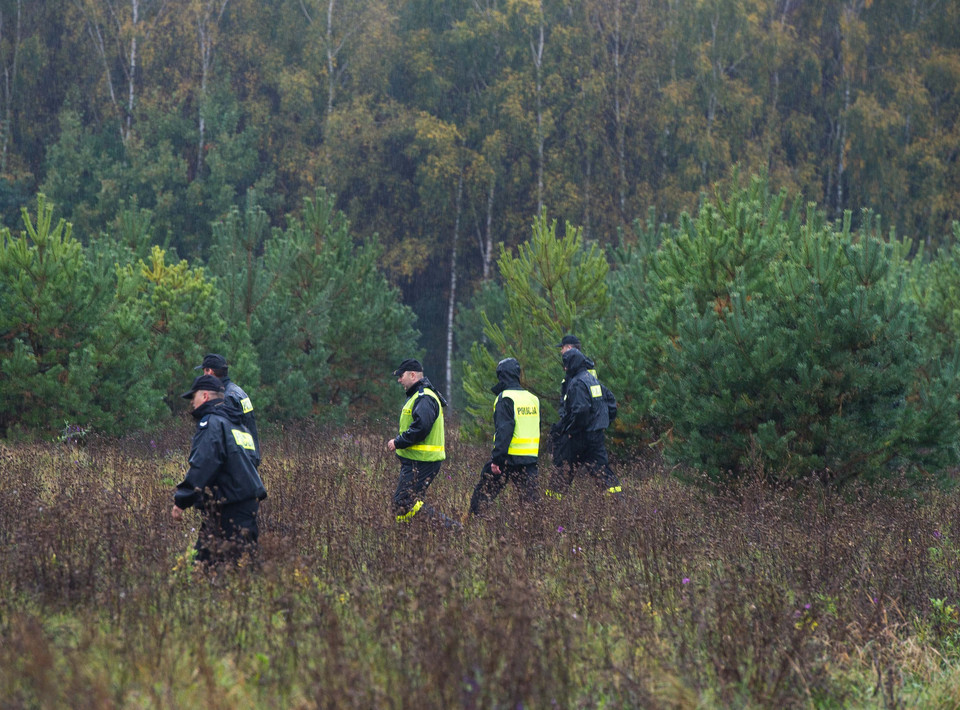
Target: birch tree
(11, 26)
(207, 16)
(119, 30)
(619, 27)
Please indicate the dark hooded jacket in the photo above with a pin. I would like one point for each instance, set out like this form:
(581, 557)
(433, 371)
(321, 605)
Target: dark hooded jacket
(234, 393)
(425, 413)
(222, 459)
(608, 397)
(584, 407)
(504, 418)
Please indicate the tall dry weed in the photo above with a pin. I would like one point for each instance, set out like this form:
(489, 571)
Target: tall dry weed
(669, 596)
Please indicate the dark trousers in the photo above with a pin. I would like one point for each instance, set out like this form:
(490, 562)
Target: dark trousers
(415, 478)
(492, 484)
(586, 452)
(228, 531)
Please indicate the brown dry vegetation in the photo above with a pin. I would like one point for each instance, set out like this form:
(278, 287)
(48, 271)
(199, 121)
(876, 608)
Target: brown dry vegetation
(670, 597)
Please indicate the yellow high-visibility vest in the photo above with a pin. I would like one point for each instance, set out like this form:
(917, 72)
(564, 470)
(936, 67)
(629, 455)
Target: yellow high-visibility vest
(431, 448)
(526, 430)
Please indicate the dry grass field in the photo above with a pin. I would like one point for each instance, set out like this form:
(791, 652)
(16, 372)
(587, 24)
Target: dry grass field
(672, 596)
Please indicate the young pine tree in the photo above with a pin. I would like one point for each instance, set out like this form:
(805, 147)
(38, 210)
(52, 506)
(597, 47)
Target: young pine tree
(71, 353)
(788, 347)
(554, 285)
(323, 320)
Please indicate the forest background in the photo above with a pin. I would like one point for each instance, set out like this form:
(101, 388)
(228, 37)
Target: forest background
(307, 186)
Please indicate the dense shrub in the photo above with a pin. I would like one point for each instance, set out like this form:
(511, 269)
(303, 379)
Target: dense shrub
(324, 326)
(766, 340)
(105, 336)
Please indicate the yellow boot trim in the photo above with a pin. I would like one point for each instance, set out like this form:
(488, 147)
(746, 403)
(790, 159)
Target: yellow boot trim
(408, 516)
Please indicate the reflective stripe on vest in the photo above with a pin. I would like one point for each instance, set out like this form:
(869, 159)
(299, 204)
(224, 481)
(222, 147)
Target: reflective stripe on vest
(431, 448)
(526, 417)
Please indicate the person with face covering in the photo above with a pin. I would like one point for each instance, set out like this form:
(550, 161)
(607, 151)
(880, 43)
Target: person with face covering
(584, 416)
(516, 441)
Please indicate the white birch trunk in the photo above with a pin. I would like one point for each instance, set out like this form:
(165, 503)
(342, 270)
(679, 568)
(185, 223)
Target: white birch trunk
(537, 50)
(100, 16)
(486, 247)
(331, 60)
(209, 15)
(132, 72)
(452, 300)
(9, 80)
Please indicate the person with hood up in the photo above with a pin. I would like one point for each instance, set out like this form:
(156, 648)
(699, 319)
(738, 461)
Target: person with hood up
(584, 415)
(516, 441)
(223, 481)
(569, 342)
(419, 445)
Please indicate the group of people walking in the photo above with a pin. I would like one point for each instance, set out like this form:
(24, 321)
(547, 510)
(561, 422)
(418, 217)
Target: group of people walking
(224, 483)
(586, 409)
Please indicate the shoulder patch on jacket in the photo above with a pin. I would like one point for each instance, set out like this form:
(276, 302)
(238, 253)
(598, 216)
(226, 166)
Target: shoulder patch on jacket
(243, 439)
(246, 405)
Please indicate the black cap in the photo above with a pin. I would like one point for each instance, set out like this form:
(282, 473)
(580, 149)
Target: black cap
(204, 382)
(213, 361)
(408, 365)
(569, 340)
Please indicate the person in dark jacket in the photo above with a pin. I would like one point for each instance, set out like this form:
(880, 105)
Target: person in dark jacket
(580, 431)
(419, 445)
(216, 365)
(570, 342)
(561, 444)
(516, 442)
(222, 481)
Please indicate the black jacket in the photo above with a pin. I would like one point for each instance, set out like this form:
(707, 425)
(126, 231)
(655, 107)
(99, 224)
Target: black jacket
(504, 419)
(425, 413)
(233, 393)
(222, 467)
(608, 397)
(582, 411)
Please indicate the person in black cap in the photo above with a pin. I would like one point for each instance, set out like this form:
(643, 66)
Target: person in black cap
(216, 365)
(568, 342)
(516, 441)
(419, 445)
(584, 416)
(222, 481)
